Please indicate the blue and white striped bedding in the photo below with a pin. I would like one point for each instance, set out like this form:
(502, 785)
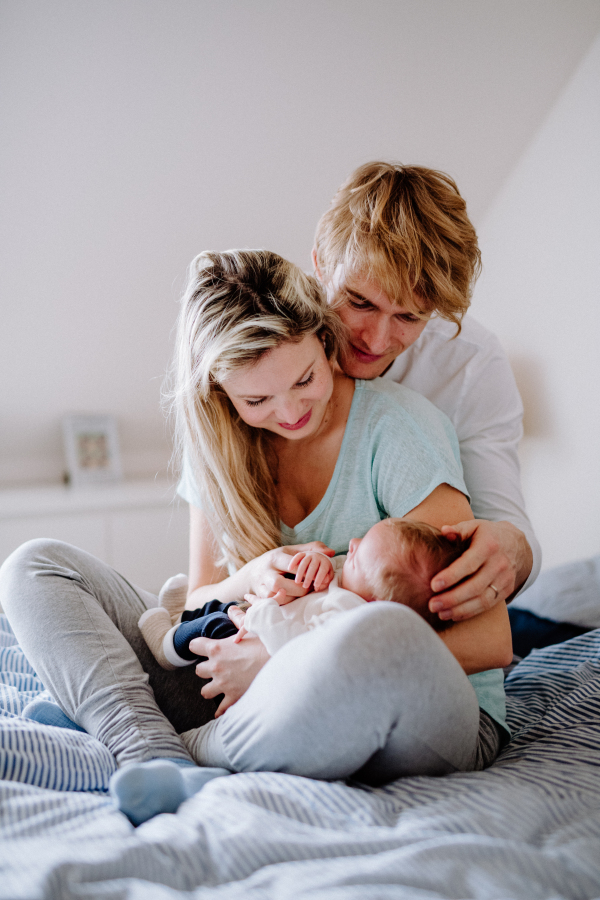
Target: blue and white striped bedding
(528, 827)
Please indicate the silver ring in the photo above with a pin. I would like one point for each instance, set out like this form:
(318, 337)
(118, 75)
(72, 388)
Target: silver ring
(495, 589)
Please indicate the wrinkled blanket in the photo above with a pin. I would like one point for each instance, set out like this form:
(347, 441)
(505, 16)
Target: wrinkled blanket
(528, 827)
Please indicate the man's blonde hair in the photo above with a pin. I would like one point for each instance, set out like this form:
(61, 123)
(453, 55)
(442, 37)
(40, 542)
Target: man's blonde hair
(421, 552)
(238, 305)
(405, 227)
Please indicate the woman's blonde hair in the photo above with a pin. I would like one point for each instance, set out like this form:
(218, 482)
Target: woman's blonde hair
(407, 228)
(238, 306)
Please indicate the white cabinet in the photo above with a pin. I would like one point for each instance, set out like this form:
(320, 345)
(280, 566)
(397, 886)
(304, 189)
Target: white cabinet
(138, 527)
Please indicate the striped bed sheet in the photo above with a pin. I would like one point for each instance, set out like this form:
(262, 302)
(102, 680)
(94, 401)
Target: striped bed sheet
(528, 827)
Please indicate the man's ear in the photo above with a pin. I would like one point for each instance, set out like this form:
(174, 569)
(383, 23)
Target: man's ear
(316, 265)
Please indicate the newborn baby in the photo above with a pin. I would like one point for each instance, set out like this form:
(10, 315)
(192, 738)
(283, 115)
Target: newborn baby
(395, 561)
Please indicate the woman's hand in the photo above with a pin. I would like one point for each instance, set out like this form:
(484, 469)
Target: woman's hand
(238, 617)
(496, 564)
(231, 666)
(265, 575)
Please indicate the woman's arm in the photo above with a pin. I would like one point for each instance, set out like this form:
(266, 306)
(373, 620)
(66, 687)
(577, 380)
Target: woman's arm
(232, 666)
(483, 641)
(262, 576)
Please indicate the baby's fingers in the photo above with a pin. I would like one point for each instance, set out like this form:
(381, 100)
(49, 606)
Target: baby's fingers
(324, 577)
(312, 572)
(295, 561)
(303, 566)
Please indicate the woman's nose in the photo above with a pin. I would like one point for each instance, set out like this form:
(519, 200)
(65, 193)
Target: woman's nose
(289, 411)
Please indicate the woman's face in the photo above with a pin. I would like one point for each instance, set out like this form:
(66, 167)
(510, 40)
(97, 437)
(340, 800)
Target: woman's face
(286, 391)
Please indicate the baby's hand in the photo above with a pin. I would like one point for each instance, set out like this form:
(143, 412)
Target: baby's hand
(312, 568)
(280, 597)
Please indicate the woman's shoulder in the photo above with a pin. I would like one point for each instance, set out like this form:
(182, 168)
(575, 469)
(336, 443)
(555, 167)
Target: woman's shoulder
(381, 394)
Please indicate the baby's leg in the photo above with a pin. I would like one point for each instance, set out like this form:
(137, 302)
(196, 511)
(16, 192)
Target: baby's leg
(170, 644)
(158, 630)
(211, 621)
(173, 595)
(76, 619)
(374, 690)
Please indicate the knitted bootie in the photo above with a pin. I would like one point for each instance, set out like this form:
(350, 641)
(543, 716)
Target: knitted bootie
(173, 595)
(154, 624)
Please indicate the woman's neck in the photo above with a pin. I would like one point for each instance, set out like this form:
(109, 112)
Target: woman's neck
(303, 469)
(335, 417)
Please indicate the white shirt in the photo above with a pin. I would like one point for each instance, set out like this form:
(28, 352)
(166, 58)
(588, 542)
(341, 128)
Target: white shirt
(470, 379)
(276, 625)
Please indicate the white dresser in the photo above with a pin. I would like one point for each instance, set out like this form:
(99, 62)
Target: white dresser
(138, 527)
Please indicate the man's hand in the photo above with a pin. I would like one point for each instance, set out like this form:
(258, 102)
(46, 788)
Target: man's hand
(231, 666)
(496, 564)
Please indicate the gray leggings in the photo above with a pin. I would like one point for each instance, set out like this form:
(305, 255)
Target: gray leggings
(374, 692)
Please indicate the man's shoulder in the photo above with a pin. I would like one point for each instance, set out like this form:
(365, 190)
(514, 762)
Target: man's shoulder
(473, 335)
(440, 353)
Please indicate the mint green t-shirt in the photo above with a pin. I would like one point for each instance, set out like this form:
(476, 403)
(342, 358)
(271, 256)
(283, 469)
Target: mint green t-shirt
(397, 448)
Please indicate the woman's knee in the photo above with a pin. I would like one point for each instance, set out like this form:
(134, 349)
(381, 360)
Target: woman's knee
(19, 572)
(377, 635)
(39, 551)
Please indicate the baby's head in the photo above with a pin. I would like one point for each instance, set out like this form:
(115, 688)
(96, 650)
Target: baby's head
(396, 560)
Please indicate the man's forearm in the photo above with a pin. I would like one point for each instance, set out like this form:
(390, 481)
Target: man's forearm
(521, 553)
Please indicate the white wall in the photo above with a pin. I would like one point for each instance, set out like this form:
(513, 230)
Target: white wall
(540, 292)
(138, 132)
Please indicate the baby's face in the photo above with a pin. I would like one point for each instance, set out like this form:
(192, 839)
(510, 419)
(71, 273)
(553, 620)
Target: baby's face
(365, 559)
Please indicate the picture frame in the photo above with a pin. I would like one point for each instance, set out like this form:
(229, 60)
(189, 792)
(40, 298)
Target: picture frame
(91, 449)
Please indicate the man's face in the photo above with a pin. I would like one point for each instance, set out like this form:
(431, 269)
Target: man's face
(378, 329)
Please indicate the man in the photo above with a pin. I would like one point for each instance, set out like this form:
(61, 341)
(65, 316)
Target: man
(398, 256)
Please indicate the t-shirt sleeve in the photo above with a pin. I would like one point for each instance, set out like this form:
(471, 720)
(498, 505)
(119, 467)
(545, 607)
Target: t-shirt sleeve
(415, 449)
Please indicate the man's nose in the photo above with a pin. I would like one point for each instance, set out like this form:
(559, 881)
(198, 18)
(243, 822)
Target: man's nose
(378, 334)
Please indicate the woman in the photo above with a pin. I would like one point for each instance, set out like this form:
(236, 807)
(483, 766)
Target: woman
(280, 447)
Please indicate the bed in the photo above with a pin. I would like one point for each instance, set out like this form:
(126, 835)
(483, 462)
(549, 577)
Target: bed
(528, 827)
